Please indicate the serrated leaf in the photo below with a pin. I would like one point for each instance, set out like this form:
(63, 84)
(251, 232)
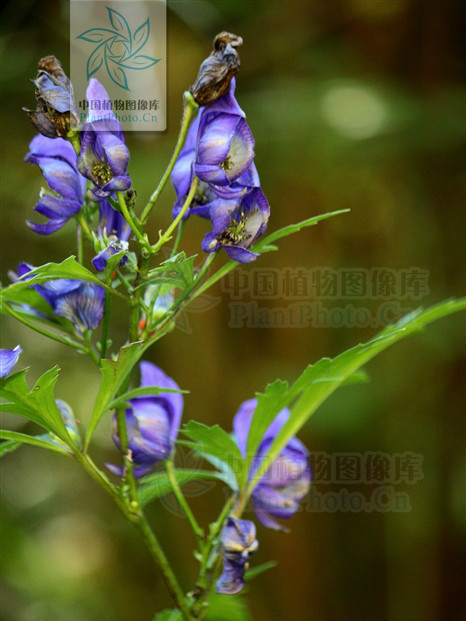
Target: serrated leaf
(156, 485)
(96, 35)
(69, 268)
(43, 441)
(216, 442)
(177, 270)
(37, 404)
(320, 380)
(114, 373)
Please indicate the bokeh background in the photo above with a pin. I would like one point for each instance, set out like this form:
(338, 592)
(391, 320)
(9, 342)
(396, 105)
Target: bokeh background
(354, 104)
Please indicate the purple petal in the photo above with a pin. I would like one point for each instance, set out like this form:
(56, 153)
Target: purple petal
(227, 103)
(61, 176)
(241, 255)
(210, 243)
(42, 146)
(83, 307)
(8, 359)
(48, 228)
(215, 139)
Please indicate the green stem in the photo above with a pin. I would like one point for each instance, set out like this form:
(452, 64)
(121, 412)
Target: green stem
(51, 335)
(138, 519)
(168, 233)
(106, 324)
(179, 235)
(189, 106)
(142, 239)
(81, 219)
(80, 244)
(127, 459)
(90, 348)
(171, 474)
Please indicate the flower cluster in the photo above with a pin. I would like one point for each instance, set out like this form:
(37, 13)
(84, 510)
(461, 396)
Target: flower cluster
(219, 151)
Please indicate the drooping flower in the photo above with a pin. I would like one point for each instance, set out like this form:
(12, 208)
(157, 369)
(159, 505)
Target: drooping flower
(287, 481)
(217, 70)
(236, 224)
(8, 359)
(79, 301)
(57, 160)
(225, 146)
(114, 229)
(238, 544)
(104, 156)
(152, 422)
(56, 111)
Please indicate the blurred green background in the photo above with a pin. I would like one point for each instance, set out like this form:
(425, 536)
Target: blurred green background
(355, 104)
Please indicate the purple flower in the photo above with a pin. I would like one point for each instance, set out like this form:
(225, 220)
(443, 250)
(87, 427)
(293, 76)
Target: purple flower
(152, 422)
(77, 300)
(287, 481)
(57, 160)
(236, 224)
(8, 359)
(56, 110)
(115, 230)
(104, 156)
(225, 146)
(238, 544)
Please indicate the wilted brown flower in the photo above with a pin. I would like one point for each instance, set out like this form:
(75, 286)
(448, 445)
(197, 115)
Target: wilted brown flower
(217, 70)
(55, 100)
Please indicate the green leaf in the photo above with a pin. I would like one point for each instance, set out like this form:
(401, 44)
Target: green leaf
(122, 400)
(31, 298)
(253, 572)
(177, 271)
(9, 447)
(114, 373)
(156, 485)
(227, 608)
(320, 380)
(214, 441)
(43, 441)
(168, 615)
(37, 404)
(293, 228)
(69, 268)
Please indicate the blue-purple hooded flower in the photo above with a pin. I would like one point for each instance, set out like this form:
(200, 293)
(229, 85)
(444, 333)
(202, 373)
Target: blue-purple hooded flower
(79, 301)
(57, 160)
(225, 144)
(113, 228)
(104, 156)
(8, 359)
(287, 481)
(152, 422)
(236, 224)
(238, 544)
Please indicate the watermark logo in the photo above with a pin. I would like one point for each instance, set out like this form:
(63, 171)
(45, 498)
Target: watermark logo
(122, 44)
(118, 49)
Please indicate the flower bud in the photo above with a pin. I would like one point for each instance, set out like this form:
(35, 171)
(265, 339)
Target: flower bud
(238, 545)
(56, 111)
(217, 70)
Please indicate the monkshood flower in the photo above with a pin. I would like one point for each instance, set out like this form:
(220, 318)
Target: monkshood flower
(56, 110)
(57, 160)
(225, 146)
(114, 229)
(152, 422)
(217, 70)
(77, 300)
(236, 224)
(238, 544)
(287, 481)
(104, 156)
(8, 359)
